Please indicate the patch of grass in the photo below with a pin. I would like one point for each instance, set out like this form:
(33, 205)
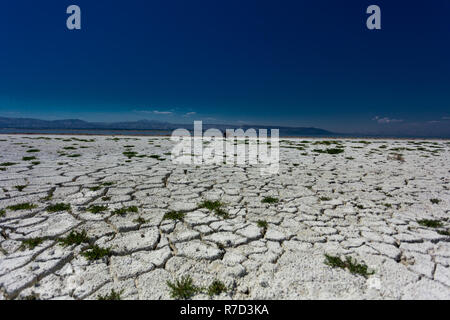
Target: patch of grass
(74, 155)
(444, 232)
(94, 252)
(330, 150)
(58, 207)
(33, 150)
(35, 163)
(70, 148)
(106, 198)
(7, 164)
(22, 206)
(130, 154)
(324, 198)
(112, 296)
(2, 212)
(183, 288)
(108, 184)
(97, 209)
(216, 288)
(350, 264)
(125, 210)
(211, 205)
(21, 187)
(31, 243)
(174, 215)
(270, 200)
(96, 188)
(430, 223)
(262, 224)
(435, 201)
(74, 237)
(216, 207)
(29, 158)
(387, 205)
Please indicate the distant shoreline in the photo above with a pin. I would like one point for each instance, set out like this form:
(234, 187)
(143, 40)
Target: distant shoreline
(141, 133)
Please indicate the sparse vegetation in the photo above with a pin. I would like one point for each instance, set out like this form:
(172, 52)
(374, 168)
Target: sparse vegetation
(349, 263)
(216, 288)
(7, 164)
(33, 150)
(216, 207)
(435, 201)
(94, 252)
(324, 198)
(183, 288)
(97, 209)
(29, 158)
(2, 212)
(270, 200)
(74, 237)
(31, 243)
(58, 207)
(21, 187)
(430, 223)
(125, 210)
(140, 220)
(174, 215)
(22, 206)
(113, 295)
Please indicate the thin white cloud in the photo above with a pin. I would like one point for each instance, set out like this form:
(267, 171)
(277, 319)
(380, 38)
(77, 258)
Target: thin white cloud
(190, 114)
(386, 120)
(154, 112)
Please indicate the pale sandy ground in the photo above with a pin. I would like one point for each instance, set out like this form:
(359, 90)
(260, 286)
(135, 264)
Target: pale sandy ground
(358, 203)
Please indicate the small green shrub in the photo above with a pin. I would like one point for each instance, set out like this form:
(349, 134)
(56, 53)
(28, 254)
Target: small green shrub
(270, 200)
(430, 223)
(94, 252)
(112, 296)
(22, 206)
(174, 215)
(183, 288)
(31, 243)
(125, 210)
(216, 288)
(74, 237)
(28, 158)
(435, 201)
(58, 207)
(21, 187)
(97, 209)
(352, 266)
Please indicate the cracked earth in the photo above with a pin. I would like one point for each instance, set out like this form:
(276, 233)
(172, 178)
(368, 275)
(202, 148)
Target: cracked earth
(368, 202)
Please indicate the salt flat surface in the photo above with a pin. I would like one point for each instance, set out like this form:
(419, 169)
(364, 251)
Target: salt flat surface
(363, 203)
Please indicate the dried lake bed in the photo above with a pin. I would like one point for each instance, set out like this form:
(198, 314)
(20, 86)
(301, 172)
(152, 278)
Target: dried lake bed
(89, 217)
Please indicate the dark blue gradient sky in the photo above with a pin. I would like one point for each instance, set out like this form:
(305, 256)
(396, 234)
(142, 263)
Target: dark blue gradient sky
(297, 63)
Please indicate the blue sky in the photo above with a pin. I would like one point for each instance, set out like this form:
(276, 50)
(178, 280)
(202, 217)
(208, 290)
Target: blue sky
(295, 63)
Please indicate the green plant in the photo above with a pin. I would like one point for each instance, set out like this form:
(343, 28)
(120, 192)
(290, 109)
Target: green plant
(124, 210)
(216, 288)
(58, 207)
(22, 206)
(21, 187)
(94, 252)
(435, 201)
(130, 154)
(106, 198)
(430, 223)
(29, 158)
(350, 264)
(444, 232)
(324, 198)
(262, 224)
(216, 207)
(174, 215)
(2, 212)
(7, 164)
(35, 163)
(74, 155)
(31, 243)
(183, 288)
(74, 237)
(112, 296)
(97, 209)
(33, 150)
(270, 200)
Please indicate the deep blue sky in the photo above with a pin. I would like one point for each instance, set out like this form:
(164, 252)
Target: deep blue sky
(298, 63)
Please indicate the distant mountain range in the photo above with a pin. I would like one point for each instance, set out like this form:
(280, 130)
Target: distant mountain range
(76, 124)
